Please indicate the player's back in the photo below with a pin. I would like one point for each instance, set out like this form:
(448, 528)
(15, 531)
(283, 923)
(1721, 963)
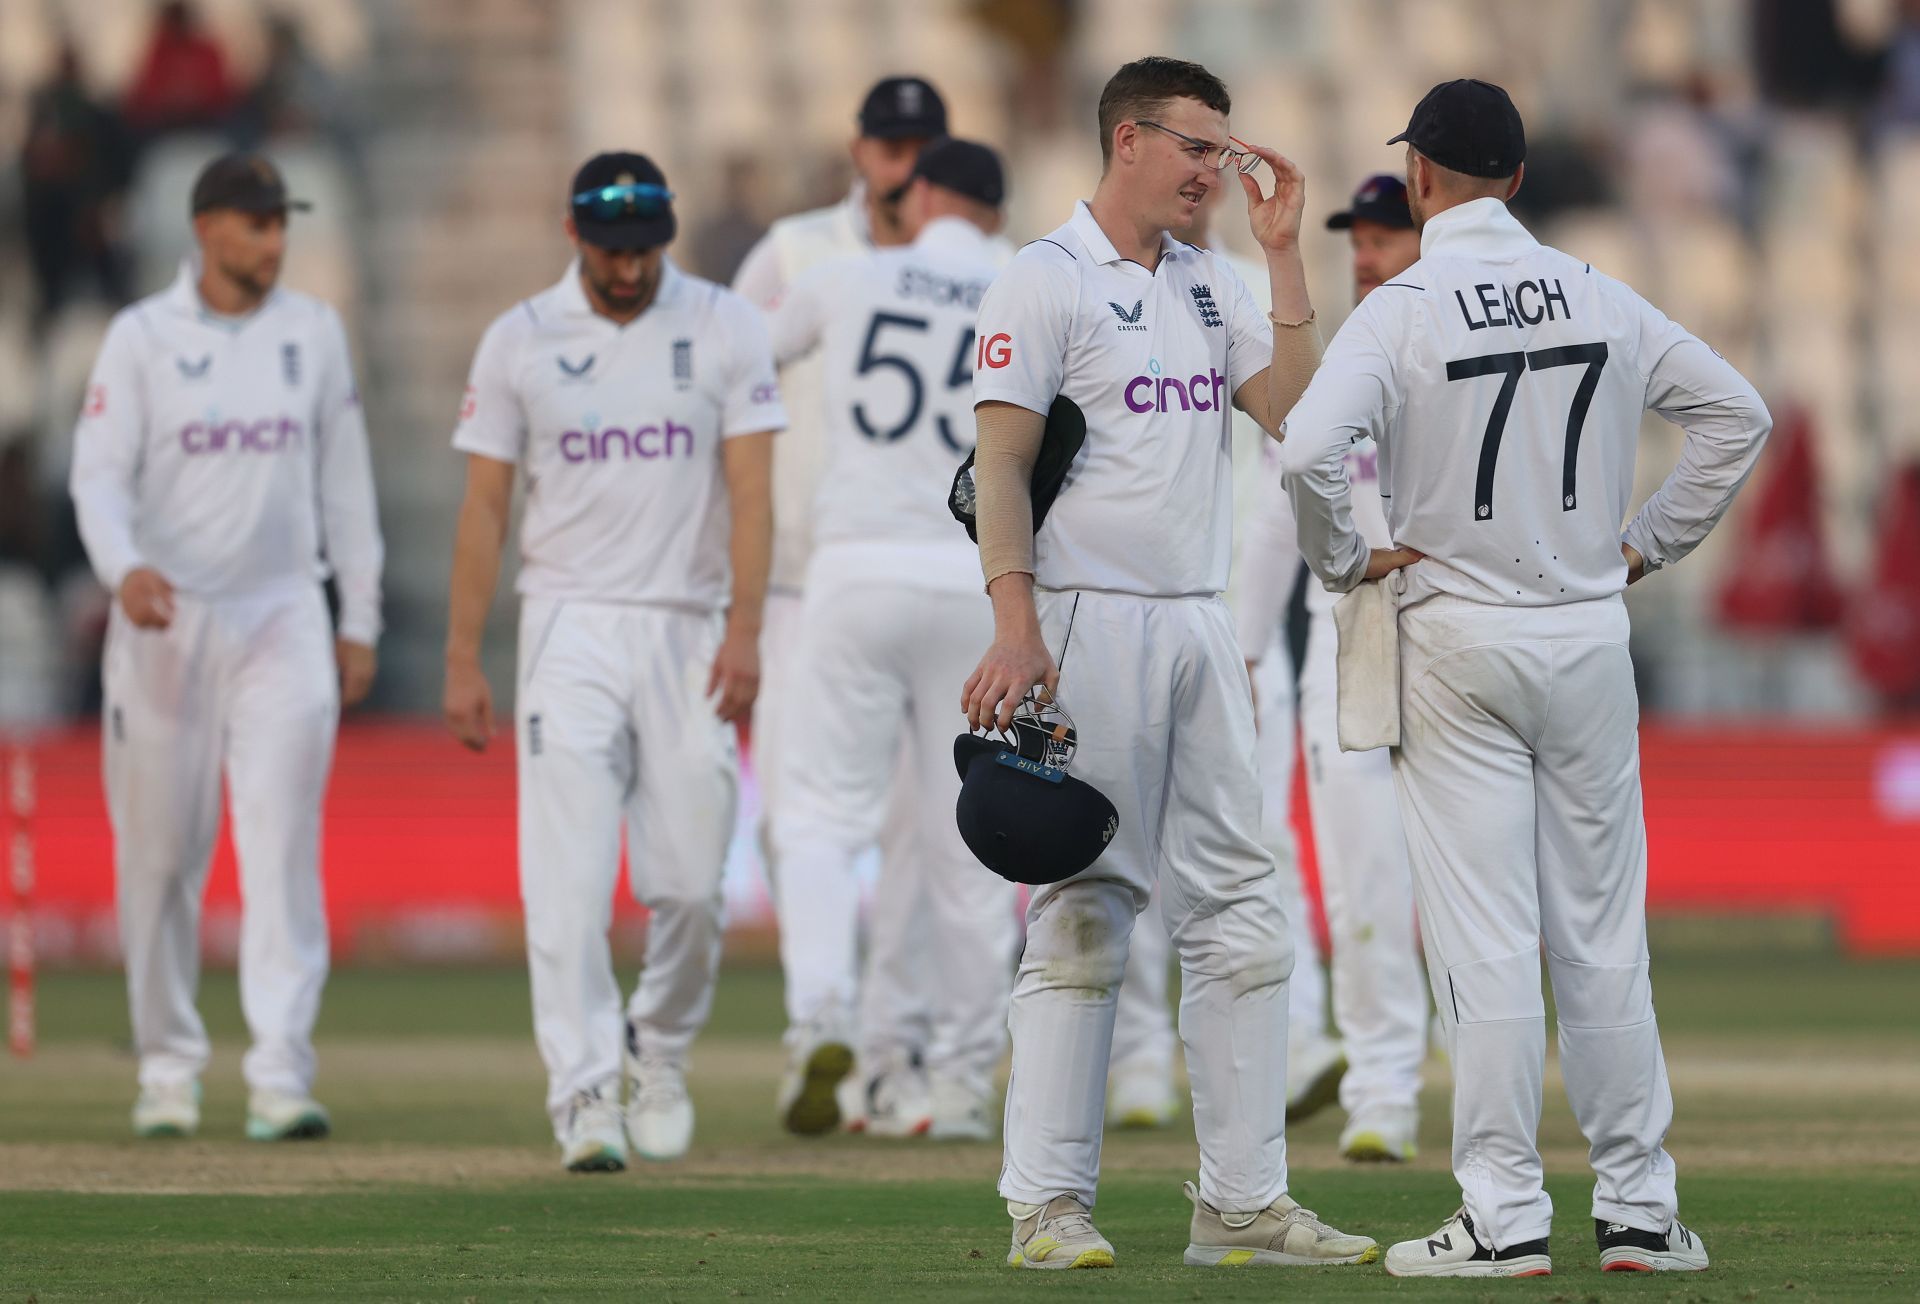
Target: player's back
(897, 338)
(1520, 376)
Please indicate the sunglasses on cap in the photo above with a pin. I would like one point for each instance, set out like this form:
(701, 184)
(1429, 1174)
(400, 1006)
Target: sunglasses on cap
(611, 203)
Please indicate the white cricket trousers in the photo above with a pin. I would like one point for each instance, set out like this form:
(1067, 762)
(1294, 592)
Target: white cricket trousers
(1519, 782)
(1143, 1035)
(883, 658)
(895, 1017)
(245, 687)
(615, 732)
(1379, 995)
(1158, 693)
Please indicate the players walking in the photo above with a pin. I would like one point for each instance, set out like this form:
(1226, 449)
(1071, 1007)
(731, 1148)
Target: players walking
(640, 404)
(893, 617)
(1505, 382)
(220, 472)
(1152, 339)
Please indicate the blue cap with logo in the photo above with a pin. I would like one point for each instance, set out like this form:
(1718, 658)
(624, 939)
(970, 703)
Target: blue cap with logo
(1381, 198)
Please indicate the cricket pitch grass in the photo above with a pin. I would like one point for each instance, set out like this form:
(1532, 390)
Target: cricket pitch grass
(1796, 1073)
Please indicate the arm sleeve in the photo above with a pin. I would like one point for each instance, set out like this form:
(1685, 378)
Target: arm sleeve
(751, 402)
(760, 278)
(1350, 397)
(493, 421)
(1021, 334)
(1008, 445)
(1269, 559)
(1726, 424)
(796, 322)
(106, 454)
(349, 519)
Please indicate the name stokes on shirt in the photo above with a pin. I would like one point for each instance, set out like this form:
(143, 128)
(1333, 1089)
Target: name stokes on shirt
(1511, 308)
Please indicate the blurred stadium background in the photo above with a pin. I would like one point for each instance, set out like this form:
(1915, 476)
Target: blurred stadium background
(1752, 166)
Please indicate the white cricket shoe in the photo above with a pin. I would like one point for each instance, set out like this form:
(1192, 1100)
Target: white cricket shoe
(1281, 1235)
(1628, 1249)
(285, 1116)
(1142, 1096)
(659, 1111)
(1384, 1134)
(961, 1113)
(596, 1139)
(896, 1103)
(1455, 1251)
(1314, 1068)
(1058, 1234)
(168, 1109)
(809, 1101)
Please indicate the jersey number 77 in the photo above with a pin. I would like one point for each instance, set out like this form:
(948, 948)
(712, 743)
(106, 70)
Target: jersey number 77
(1509, 367)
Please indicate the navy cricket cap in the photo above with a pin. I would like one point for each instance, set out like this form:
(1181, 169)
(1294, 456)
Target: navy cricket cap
(901, 108)
(621, 201)
(965, 167)
(247, 182)
(1381, 198)
(1026, 822)
(1469, 126)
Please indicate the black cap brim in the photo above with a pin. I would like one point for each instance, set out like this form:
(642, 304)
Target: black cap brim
(264, 204)
(649, 233)
(1397, 218)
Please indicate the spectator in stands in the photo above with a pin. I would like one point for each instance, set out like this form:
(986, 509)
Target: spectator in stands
(296, 94)
(73, 173)
(1900, 96)
(183, 82)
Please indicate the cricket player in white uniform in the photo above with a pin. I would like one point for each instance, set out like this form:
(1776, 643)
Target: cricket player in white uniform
(898, 117)
(220, 471)
(1153, 340)
(640, 405)
(1141, 1087)
(1380, 1002)
(893, 618)
(1505, 383)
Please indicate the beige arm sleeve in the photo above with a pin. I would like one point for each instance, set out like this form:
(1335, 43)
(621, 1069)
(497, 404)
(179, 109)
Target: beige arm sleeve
(1008, 446)
(1296, 356)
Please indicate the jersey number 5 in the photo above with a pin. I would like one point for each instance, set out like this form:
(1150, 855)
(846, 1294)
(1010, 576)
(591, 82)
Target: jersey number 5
(960, 373)
(1509, 366)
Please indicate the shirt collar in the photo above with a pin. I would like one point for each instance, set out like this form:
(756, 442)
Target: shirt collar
(1101, 249)
(183, 296)
(1479, 227)
(571, 295)
(951, 233)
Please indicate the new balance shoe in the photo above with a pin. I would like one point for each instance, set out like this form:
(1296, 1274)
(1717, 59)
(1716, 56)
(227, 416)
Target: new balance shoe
(1058, 1234)
(596, 1137)
(659, 1111)
(284, 1116)
(897, 1102)
(1281, 1235)
(820, 1058)
(1314, 1069)
(1142, 1096)
(1382, 1135)
(1455, 1251)
(1628, 1249)
(962, 1112)
(168, 1109)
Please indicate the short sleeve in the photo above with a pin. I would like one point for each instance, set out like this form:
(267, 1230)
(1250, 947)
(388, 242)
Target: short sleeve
(797, 320)
(1021, 332)
(751, 401)
(1249, 333)
(493, 421)
(760, 278)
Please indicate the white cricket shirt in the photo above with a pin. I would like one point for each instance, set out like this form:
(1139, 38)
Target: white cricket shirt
(1153, 359)
(229, 453)
(617, 430)
(894, 330)
(1505, 381)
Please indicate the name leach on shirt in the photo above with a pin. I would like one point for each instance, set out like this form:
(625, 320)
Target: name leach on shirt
(1153, 359)
(229, 453)
(617, 431)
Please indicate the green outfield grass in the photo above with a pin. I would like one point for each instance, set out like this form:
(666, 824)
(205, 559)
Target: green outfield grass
(1798, 1140)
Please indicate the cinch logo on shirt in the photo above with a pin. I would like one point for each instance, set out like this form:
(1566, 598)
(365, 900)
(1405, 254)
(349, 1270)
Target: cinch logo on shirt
(1198, 393)
(269, 435)
(614, 444)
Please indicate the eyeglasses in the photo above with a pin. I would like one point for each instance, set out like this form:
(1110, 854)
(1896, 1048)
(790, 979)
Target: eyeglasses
(611, 203)
(1217, 157)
